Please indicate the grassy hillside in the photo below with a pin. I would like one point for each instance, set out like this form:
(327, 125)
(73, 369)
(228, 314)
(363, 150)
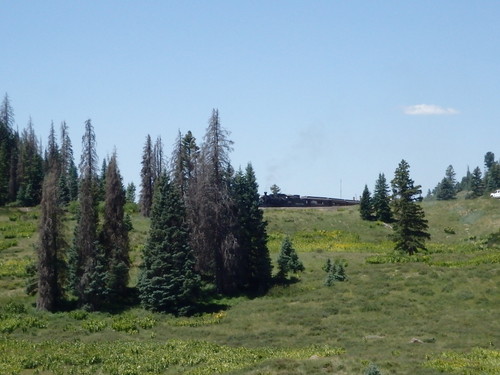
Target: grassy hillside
(435, 313)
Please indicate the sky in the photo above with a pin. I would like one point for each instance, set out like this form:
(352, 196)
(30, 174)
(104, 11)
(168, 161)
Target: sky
(320, 96)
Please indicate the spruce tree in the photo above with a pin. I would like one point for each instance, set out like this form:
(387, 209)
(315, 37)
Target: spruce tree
(130, 193)
(446, 189)
(252, 236)
(410, 226)
(147, 178)
(88, 270)
(212, 211)
(114, 236)
(8, 153)
(288, 260)
(168, 282)
(365, 205)
(29, 168)
(51, 265)
(476, 184)
(183, 162)
(381, 200)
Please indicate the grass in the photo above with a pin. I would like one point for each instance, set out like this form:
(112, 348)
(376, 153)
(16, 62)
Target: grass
(437, 315)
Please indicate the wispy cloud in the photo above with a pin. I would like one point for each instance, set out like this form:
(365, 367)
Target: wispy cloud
(428, 109)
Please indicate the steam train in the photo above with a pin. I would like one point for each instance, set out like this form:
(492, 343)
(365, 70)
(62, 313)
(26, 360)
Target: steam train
(285, 200)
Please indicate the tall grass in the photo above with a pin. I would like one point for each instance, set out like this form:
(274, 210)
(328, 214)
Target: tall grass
(436, 315)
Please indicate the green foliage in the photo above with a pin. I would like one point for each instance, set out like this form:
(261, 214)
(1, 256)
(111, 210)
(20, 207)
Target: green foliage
(366, 205)
(288, 260)
(94, 325)
(335, 271)
(372, 370)
(190, 357)
(168, 282)
(397, 258)
(381, 200)
(446, 189)
(449, 230)
(252, 235)
(478, 361)
(410, 226)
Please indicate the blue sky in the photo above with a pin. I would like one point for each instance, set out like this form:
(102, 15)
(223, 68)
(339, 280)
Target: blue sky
(321, 96)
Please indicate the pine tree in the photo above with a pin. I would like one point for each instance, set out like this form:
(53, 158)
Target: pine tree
(288, 260)
(493, 177)
(381, 200)
(52, 153)
(114, 236)
(446, 189)
(147, 178)
(8, 153)
(101, 181)
(252, 236)
(365, 205)
(183, 162)
(410, 227)
(69, 175)
(489, 160)
(130, 193)
(29, 168)
(476, 184)
(212, 212)
(88, 270)
(167, 281)
(51, 265)
(158, 161)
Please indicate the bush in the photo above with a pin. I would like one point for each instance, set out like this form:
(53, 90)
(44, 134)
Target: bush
(373, 370)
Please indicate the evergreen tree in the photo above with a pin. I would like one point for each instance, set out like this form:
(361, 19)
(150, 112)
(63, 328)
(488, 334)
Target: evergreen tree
(88, 270)
(167, 282)
(465, 184)
(51, 265)
(130, 193)
(381, 200)
(476, 184)
(446, 189)
(52, 153)
(410, 227)
(212, 212)
(335, 271)
(183, 161)
(114, 236)
(489, 160)
(365, 205)
(73, 182)
(69, 174)
(493, 177)
(147, 178)
(30, 168)
(252, 235)
(158, 161)
(288, 260)
(101, 181)
(8, 153)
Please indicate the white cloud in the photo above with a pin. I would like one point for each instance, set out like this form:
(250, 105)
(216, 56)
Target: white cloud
(428, 109)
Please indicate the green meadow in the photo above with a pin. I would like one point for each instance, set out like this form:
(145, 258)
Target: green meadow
(434, 313)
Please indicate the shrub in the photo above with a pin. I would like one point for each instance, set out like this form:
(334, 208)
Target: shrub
(449, 230)
(372, 370)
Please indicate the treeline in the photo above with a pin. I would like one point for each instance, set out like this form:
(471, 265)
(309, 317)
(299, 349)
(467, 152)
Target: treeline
(475, 183)
(207, 231)
(24, 163)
